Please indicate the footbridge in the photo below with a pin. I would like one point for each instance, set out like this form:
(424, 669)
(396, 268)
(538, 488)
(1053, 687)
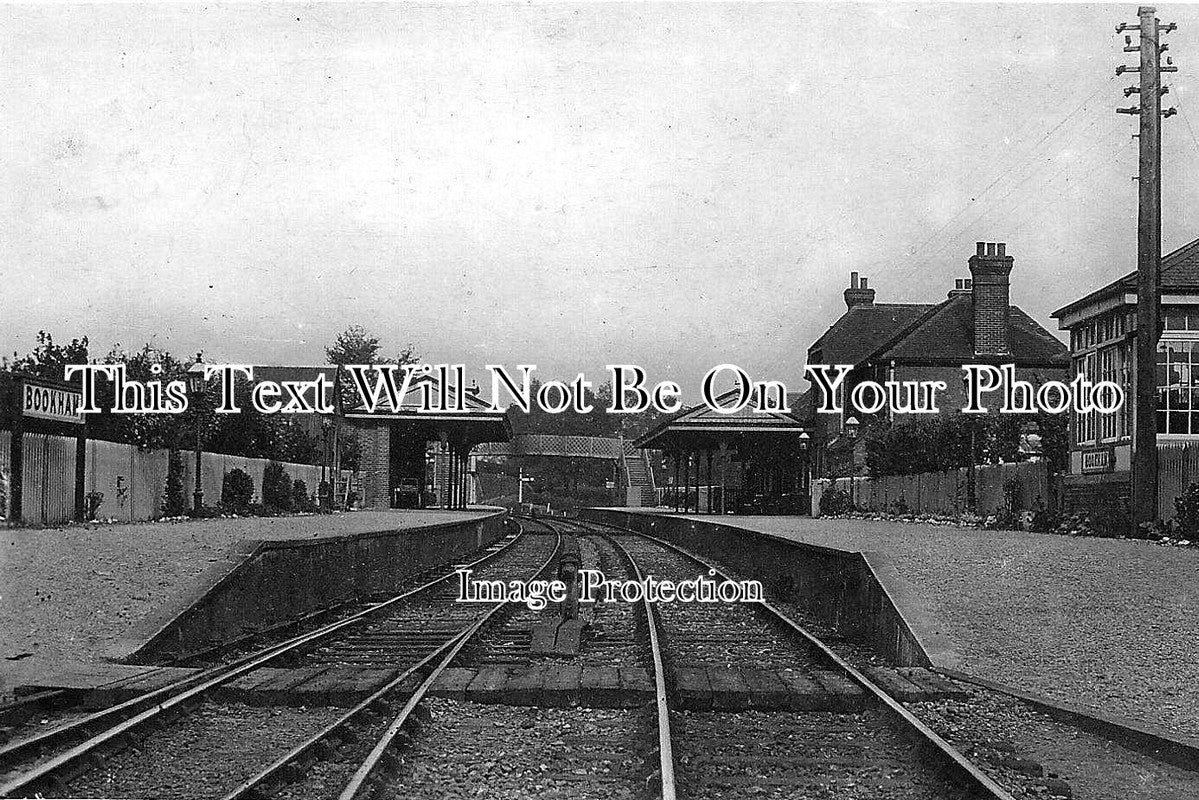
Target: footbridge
(537, 444)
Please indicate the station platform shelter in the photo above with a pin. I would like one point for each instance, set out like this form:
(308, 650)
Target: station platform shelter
(748, 462)
(417, 459)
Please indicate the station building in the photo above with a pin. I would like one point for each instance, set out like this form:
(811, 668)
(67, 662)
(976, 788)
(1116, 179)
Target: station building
(975, 323)
(1102, 327)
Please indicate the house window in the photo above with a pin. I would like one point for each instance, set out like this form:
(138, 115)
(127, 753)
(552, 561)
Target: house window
(1108, 363)
(1178, 386)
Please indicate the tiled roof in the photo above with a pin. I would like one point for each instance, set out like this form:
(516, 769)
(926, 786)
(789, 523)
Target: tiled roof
(702, 419)
(861, 328)
(946, 333)
(1180, 270)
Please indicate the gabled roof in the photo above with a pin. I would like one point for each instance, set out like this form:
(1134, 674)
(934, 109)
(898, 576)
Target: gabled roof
(1180, 271)
(945, 334)
(702, 422)
(861, 328)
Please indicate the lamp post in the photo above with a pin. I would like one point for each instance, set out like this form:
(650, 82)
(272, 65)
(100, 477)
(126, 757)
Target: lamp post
(195, 388)
(971, 473)
(326, 488)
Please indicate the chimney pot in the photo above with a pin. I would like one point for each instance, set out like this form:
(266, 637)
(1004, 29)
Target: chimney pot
(1002, 247)
(981, 248)
(858, 293)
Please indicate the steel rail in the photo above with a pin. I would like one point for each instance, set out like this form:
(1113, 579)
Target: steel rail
(953, 759)
(665, 741)
(256, 785)
(154, 703)
(378, 754)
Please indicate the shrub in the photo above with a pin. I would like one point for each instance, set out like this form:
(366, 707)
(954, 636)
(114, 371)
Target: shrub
(174, 497)
(93, 501)
(835, 502)
(276, 488)
(237, 491)
(1186, 506)
(300, 501)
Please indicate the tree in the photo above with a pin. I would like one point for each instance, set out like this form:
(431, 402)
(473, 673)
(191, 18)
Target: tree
(48, 359)
(354, 346)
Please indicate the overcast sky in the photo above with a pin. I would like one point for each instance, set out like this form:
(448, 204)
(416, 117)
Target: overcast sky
(670, 185)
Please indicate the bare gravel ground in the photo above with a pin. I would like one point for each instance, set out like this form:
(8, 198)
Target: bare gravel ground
(1034, 756)
(1102, 623)
(67, 593)
(804, 756)
(506, 753)
(205, 754)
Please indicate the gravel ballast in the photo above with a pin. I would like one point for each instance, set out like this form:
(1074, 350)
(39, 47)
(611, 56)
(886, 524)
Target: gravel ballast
(1102, 623)
(67, 593)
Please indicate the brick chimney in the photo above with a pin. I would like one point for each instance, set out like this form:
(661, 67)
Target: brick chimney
(857, 294)
(989, 270)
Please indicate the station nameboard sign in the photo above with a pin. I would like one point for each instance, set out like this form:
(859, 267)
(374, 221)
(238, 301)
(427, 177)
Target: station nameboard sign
(52, 403)
(1097, 461)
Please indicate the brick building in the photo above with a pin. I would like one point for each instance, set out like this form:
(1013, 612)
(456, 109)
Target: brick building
(975, 323)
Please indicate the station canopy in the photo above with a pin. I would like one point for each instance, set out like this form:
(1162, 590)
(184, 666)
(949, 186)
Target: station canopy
(476, 423)
(701, 428)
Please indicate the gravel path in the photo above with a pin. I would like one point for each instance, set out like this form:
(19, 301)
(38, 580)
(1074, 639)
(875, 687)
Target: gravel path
(1099, 622)
(67, 593)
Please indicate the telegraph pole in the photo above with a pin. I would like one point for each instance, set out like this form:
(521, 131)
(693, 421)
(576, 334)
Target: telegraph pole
(1149, 254)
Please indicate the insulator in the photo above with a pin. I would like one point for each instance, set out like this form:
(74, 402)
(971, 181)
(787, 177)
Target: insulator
(1120, 70)
(1169, 112)
(1130, 90)
(1129, 110)
(1124, 26)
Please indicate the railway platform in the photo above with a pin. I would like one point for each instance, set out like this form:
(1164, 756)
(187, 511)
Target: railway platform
(85, 595)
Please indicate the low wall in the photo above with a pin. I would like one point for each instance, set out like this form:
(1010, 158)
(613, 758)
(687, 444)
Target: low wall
(837, 587)
(271, 583)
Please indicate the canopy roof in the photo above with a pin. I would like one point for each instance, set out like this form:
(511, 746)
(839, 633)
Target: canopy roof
(701, 427)
(477, 423)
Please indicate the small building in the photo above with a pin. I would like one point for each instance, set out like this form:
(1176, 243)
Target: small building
(412, 458)
(746, 462)
(1102, 327)
(975, 323)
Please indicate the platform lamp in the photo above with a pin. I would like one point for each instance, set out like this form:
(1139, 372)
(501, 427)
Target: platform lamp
(196, 379)
(326, 487)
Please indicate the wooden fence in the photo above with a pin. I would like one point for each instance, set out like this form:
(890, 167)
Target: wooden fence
(945, 492)
(1177, 468)
(132, 481)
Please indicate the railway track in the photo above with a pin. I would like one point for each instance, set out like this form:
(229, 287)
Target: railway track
(669, 700)
(416, 634)
(862, 744)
